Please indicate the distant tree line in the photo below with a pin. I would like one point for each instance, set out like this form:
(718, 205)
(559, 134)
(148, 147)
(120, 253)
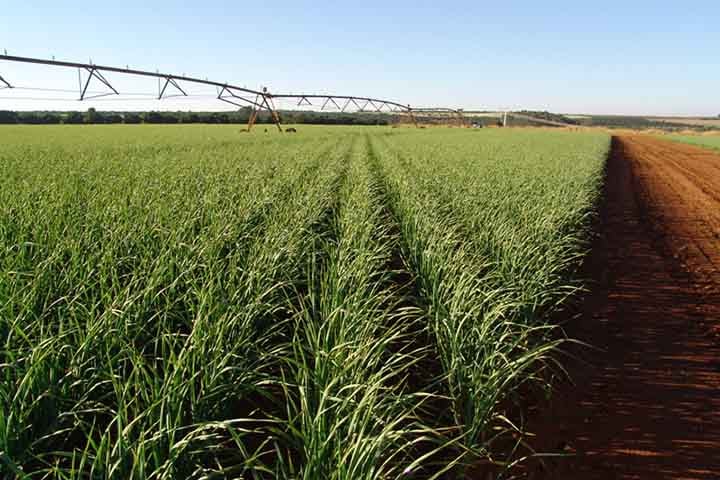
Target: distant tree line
(92, 116)
(616, 121)
(633, 122)
(552, 117)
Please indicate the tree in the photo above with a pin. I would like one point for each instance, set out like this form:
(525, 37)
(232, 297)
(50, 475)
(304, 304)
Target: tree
(91, 115)
(132, 117)
(7, 116)
(152, 117)
(74, 118)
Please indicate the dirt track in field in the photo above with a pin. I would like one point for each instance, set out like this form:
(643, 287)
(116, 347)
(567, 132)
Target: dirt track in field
(646, 405)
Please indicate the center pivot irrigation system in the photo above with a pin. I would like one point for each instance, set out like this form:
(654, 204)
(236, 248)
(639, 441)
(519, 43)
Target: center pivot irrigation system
(257, 100)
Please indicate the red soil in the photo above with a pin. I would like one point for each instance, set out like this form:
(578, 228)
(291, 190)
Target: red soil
(645, 404)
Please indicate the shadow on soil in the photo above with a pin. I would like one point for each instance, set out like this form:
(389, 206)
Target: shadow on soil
(646, 403)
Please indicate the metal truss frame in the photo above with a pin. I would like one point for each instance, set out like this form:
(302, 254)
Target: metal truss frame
(7, 84)
(170, 81)
(238, 96)
(455, 115)
(93, 72)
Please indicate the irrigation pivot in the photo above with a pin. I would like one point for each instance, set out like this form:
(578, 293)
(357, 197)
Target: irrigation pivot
(257, 100)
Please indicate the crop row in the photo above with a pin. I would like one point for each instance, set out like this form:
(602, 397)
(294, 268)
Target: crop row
(341, 304)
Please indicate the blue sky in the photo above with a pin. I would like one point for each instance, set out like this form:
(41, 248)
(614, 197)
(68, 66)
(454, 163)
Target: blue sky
(631, 57)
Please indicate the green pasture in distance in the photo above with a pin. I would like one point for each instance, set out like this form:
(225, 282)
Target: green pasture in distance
(702, 141)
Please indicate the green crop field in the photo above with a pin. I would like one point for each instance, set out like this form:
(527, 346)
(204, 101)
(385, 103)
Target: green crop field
(702, 141)
(340, 303)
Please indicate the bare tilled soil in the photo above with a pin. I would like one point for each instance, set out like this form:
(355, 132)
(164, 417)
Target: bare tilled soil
(645, 402)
